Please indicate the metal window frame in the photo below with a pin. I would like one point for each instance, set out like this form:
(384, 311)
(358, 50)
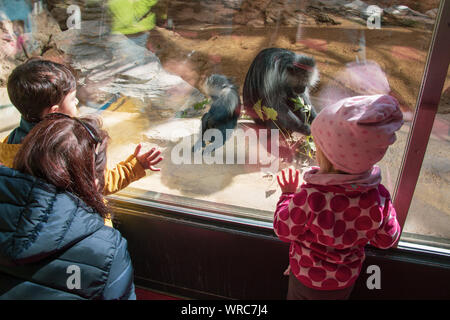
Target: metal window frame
(199, 257)
(433, 79)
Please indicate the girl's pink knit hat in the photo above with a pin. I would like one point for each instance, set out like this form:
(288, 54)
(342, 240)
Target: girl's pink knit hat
(354, 133)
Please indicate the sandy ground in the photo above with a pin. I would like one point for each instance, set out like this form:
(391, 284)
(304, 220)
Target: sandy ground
(195, 51)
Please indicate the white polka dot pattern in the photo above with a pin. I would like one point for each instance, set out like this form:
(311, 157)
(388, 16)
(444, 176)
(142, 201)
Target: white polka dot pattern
(328, 227)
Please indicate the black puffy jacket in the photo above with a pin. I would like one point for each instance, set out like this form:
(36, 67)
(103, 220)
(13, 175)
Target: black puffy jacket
(53, 246)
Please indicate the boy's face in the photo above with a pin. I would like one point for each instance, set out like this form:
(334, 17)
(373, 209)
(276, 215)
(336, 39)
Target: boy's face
(69, 104)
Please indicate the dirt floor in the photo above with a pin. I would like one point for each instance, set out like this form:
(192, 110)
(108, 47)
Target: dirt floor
(196, 51)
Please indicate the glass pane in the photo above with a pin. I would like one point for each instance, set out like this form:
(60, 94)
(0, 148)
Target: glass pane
(142, 65)
(428, 218)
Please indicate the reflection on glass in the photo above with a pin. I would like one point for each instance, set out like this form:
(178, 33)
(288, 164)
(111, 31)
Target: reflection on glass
(144, 69)
(429, 214)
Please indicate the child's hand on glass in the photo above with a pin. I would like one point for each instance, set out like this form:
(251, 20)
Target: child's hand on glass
(148, 159)
(289, 185)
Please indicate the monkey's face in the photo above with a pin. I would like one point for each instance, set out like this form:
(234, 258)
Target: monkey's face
(299, 89)
(214, 84)
(297, 80)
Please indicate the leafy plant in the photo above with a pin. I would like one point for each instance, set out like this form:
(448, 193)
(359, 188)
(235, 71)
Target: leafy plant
(309, 146)
(271, 113)
(267, 113)
(301, 105)
(202, 104)
(257, 108)
(183, 114)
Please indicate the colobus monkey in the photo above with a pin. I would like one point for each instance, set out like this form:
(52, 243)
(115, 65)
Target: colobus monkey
(225, 108)
(276, 77)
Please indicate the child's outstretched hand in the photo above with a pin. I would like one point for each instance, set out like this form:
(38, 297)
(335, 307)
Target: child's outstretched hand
(148, 159)
(291, 184)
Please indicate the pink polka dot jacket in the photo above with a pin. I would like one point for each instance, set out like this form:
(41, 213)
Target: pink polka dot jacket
(328, 227)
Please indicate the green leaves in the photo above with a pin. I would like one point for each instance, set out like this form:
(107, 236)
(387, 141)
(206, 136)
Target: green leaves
(201, 105)
(299, 103)
(302, 106)
(257, 108)
(309, 146)
(265, 113)
(270, 113)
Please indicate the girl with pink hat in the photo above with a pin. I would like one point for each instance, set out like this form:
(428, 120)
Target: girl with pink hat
(342, 205)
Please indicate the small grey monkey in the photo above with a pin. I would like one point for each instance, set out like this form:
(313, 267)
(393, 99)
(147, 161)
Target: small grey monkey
(225, 108)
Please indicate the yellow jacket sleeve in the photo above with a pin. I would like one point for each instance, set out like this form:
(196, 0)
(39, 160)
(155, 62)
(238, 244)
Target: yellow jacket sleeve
(8, 152)
(122, 175)
(116, 179)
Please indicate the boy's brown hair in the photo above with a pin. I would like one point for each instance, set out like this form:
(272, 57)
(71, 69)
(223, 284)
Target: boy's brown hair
(69, 153)
(39, 84)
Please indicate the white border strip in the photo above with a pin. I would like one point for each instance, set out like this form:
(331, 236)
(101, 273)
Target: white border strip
(422, 247)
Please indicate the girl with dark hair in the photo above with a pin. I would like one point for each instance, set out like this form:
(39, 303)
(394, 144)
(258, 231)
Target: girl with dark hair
(53, 241)
(39, 87)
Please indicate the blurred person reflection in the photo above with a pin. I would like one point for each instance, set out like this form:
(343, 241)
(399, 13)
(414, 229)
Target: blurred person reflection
(133, 18)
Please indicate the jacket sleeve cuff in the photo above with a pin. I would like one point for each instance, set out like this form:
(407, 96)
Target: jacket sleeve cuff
(137, 168)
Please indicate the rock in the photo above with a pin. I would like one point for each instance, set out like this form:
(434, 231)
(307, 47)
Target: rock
(404, 16)
(113, 65)
(44, 28)
(404, 11)
(92, 10)
(256, 23)
(432, 13)
(357, 5)
(172, 131)
(8, 50)
(398, 10)
(359, 11)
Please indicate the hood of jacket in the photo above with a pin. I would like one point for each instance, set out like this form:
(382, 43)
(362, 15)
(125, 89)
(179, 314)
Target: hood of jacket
(38, 220)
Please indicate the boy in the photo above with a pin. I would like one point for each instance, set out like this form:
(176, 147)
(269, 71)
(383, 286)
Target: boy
(39, 87)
